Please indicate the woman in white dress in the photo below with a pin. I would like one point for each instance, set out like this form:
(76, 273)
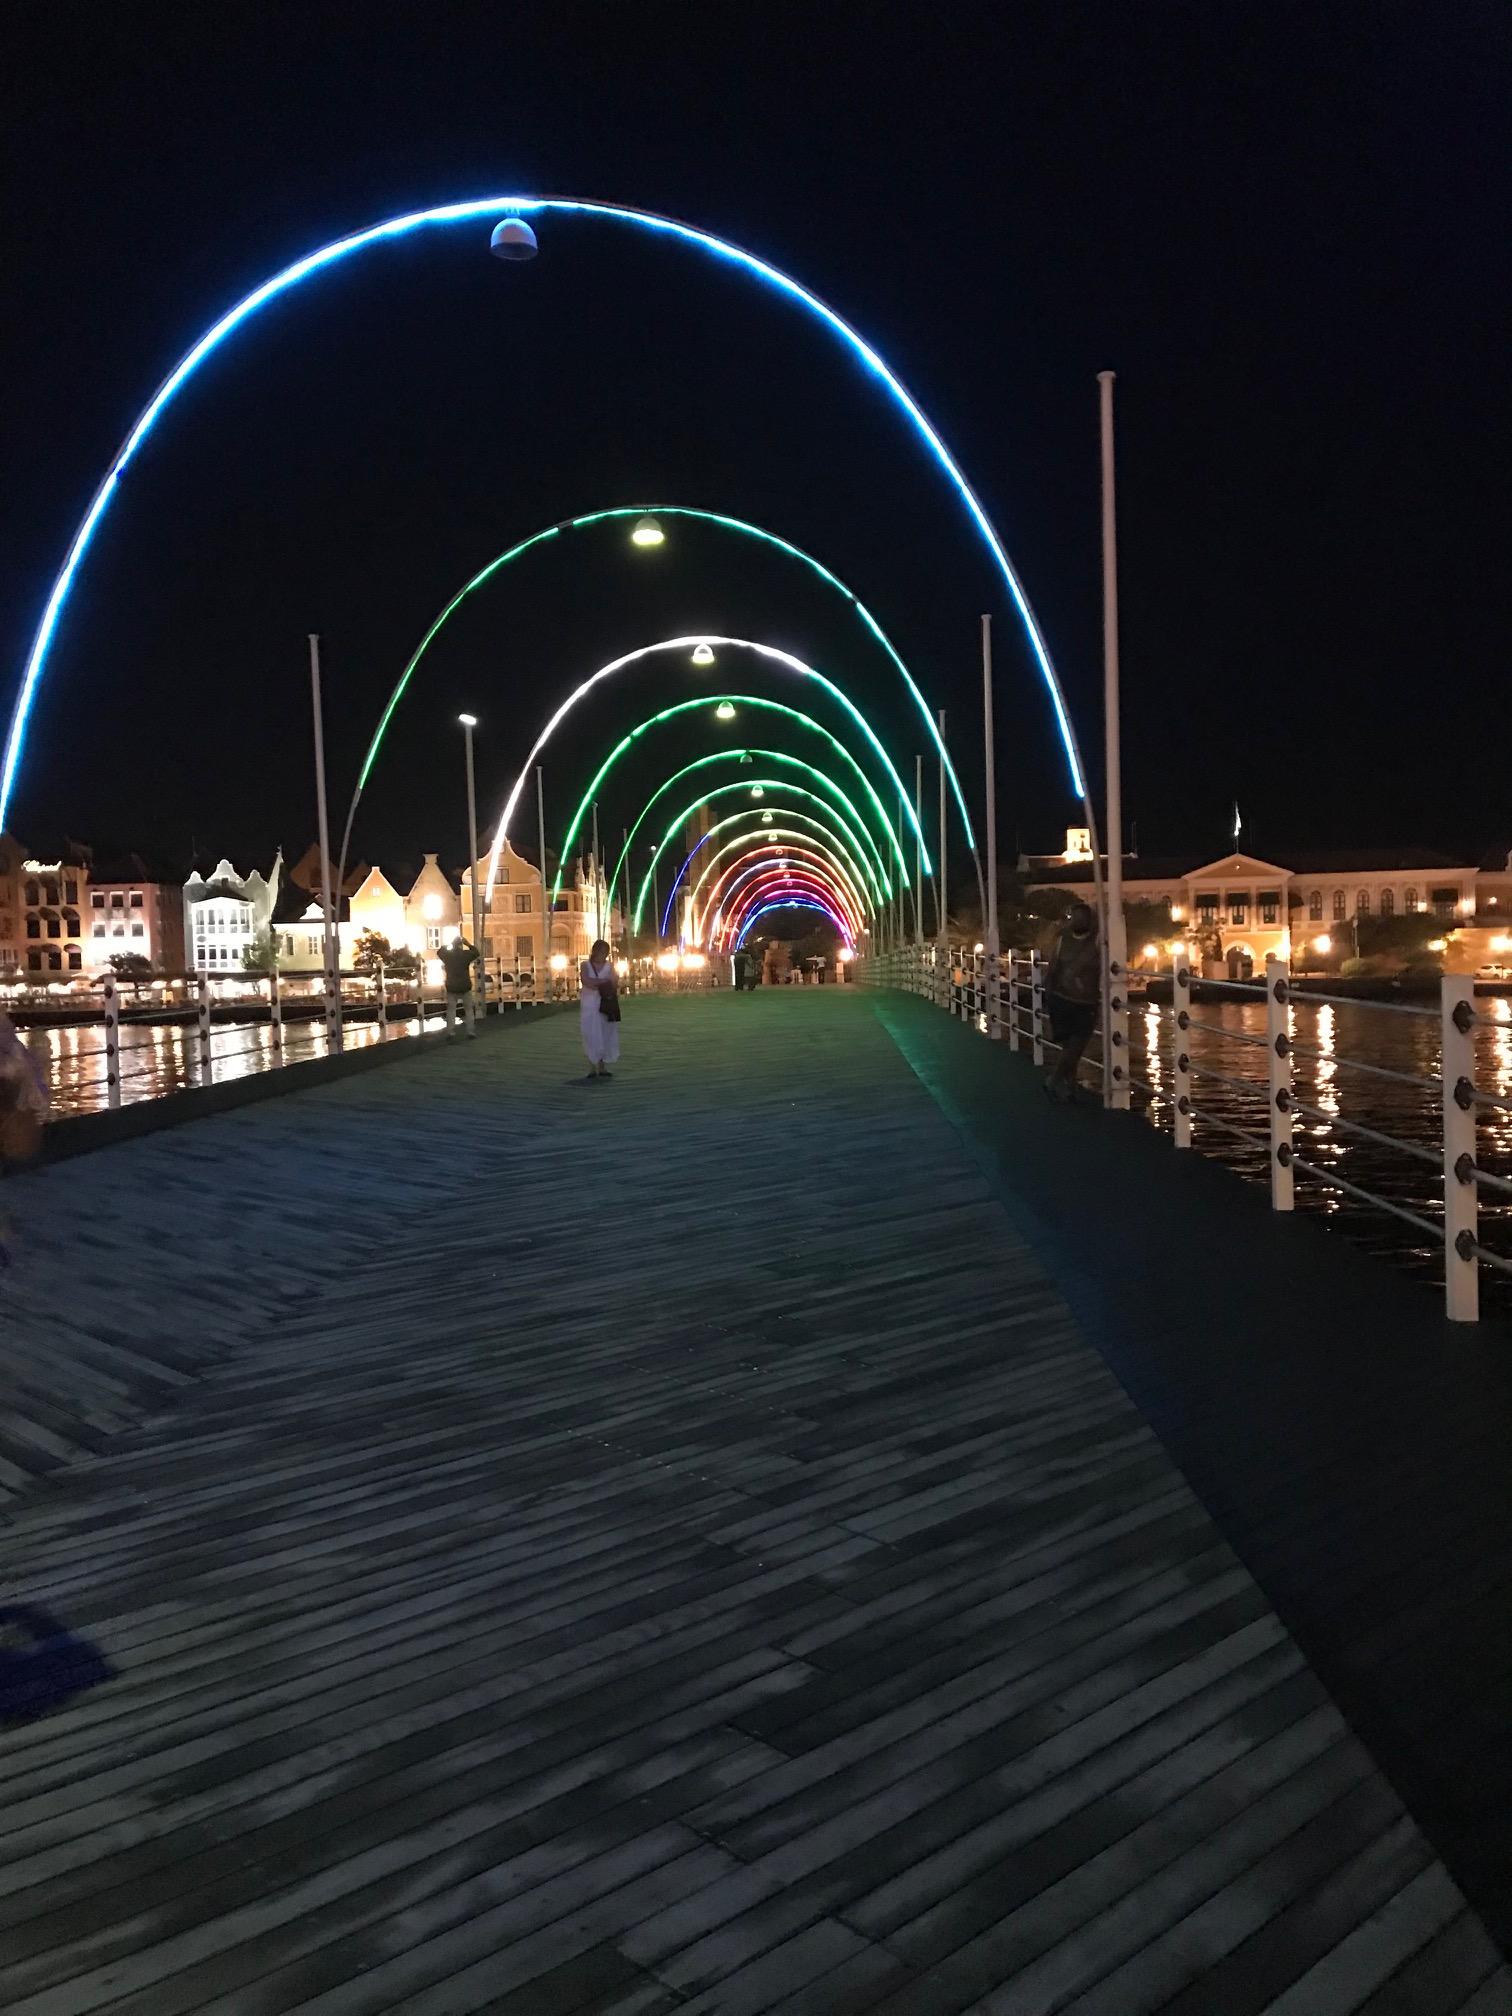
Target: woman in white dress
(599, 1011)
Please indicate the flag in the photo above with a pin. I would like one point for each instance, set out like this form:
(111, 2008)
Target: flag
(1237, 821)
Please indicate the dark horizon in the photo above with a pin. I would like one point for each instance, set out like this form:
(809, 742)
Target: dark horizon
(1282, 240)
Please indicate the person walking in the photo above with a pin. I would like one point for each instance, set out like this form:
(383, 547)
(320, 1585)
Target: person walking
(599, 1011)
(1074, 987)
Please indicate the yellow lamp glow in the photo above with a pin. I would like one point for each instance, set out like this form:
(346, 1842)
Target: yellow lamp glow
(1501, 944)
(668, 962)
(1152, 952)
(1177, 913)
(559, 962)
(647, 532)
(758, 791)
(431, 908)
(1438, 944)
(435, 972)
(703, 654)
(724, 711)
(1322, 943)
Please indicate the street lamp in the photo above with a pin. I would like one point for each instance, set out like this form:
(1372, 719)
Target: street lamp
(648, 532)
(469, 722)
(725, 711)
(513, 239)
(703, 654)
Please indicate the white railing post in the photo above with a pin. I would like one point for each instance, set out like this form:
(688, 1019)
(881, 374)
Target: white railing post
(275, 1014)
(1278, 1050)
(1015, 963)
(1116, 1076)
(202, 1009)
(1461, 1268)
(470, 1011)
(382, 1004)
(112, 1045)
(994, 1009)
(1037, 1005)
(1181, 1062)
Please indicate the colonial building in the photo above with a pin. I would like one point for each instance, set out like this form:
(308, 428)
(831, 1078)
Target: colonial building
(53, 895)
(225, 914)
(132, 910)
(1305, 902)
(514, 937)
(11, 948)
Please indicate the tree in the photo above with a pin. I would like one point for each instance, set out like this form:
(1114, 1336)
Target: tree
(374, 954)
(402, 964)
(132, 966)
(261, 956)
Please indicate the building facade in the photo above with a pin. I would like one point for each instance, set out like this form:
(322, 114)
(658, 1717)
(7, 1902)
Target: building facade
(53, 895)
(12, 950)
(225, 915)
(1305, 903)
(131, 910)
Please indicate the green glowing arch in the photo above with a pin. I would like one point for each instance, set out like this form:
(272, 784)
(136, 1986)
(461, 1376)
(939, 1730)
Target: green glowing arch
(720, 518)
(626, 742)
(860, 836)
(723, 791)
(828, 833)
(808, 855)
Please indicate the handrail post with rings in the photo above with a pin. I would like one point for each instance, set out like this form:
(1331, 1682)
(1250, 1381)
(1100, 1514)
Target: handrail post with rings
(202, 1021)
(275, 1013)
(112, 1045)
(1461, 1271)
(1181, 1061)
(1278, 1050)
(1014, 963)
(1037, 1005)
(1117, 1023)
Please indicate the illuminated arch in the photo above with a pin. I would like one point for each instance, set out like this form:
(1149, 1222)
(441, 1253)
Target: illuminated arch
(453, 213)
(861, 841)
(792, 903)
(759, 882)
(754, 812)
(766, 651)
(720, 518)
(723, 791)
(771, 855)
(753, 873)
(627, 742)
(770, 840)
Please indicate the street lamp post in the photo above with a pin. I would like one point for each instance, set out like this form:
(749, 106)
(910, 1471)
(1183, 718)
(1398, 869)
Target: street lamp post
(331, 959)
(1116, 937)
(469, 722)
(538, 988)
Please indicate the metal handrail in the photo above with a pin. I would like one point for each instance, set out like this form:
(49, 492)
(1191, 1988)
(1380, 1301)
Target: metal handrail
(1307, 995)
(1435, 1232)
(1222, 1078)
(1232, 1035)
(1370, 1134)
(1371, 1070)
(1492, 1182)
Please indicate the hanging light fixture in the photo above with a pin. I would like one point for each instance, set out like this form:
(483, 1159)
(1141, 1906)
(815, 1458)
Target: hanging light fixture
(513, 239)
(725, 711)
(648, 532)
(703, 654)
(758, 791)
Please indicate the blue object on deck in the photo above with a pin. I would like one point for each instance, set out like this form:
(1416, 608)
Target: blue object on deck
(45, 1673)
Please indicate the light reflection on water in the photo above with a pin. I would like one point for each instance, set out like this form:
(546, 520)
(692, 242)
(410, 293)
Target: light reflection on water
(1411, 1113)
(161, 1057)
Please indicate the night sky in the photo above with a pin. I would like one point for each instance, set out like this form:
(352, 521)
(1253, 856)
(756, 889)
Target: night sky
(1283, 228)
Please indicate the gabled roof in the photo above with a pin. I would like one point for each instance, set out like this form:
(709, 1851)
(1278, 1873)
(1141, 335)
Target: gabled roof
(1241, 864)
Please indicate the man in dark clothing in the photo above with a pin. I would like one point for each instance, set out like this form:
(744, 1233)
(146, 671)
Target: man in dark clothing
(1074, 986)
(457, 962)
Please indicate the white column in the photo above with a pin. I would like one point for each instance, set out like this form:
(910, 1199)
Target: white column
(1181, 1060)
(1278, 1049)
(1461, 1268)
(541, 974)
(275, 1013)
(331, 958)
(112, 1045)
(481, 968)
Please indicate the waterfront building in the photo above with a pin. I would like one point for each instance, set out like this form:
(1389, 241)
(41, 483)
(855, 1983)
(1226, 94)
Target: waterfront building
(11, 948)
(1304, 902)
(226, 914)
(133, 910)
(50, 915)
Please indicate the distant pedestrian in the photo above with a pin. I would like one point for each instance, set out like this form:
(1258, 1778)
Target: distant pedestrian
(458, 958)
(599, 1011)
(1074, 986)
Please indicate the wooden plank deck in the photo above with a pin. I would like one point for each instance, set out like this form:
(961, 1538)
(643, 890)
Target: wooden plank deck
(664, 1545)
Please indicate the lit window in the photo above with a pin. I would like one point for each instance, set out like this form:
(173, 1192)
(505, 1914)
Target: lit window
(1207, 908)
(1270, 905)
(1362, 902)
(312, 943)
(1411, 899)
(1444, 901)
(1340, 906)
(1315, 907)
(1238, 903)
(1388, 903)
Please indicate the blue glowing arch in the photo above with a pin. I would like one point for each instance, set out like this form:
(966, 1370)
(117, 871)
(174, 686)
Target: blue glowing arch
(494, 206)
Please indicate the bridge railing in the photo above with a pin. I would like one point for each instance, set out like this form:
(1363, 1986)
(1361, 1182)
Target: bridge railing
(1254, 1101)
